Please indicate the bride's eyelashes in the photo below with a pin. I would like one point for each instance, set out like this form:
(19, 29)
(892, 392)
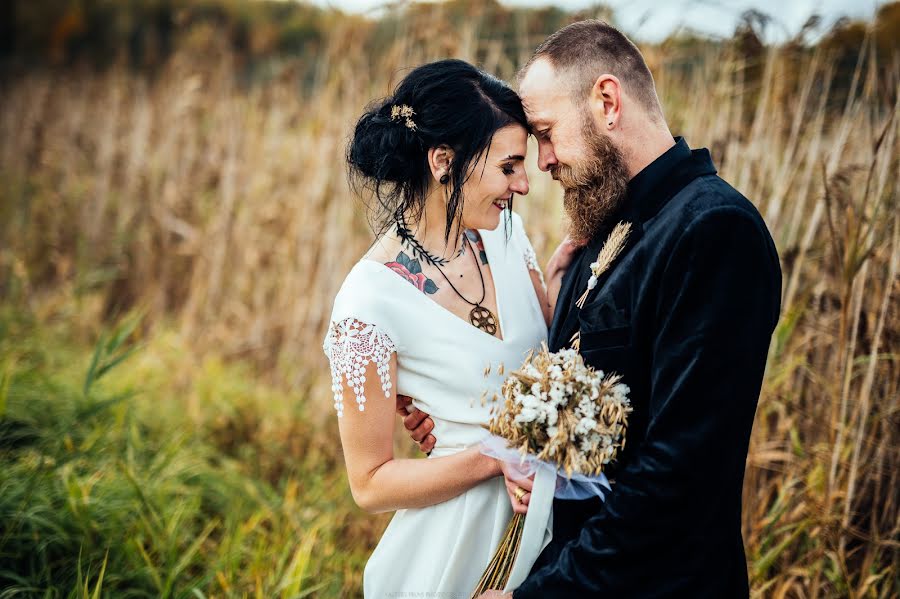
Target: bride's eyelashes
(508, 169)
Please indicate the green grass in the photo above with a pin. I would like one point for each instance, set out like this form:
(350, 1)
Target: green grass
(132, 470)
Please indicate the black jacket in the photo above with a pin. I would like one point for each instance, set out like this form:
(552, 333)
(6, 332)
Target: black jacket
(685, 315)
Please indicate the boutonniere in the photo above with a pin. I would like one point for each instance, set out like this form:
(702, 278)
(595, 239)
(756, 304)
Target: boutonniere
(611, 249)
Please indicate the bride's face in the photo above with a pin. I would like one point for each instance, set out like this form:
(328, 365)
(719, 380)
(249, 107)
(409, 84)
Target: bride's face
(495, 178)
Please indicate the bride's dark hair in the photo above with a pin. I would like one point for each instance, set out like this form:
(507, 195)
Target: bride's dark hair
(454, 104)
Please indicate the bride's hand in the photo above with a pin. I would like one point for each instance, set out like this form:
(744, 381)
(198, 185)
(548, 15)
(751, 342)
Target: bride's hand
(558, 265)
(418, 423)
(514, 481)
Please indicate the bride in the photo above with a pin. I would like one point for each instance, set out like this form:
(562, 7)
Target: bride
(450, 286)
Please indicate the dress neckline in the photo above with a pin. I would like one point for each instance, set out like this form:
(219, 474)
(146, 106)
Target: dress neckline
(492, 260)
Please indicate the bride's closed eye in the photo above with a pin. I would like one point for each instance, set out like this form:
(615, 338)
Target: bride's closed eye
(508, 169)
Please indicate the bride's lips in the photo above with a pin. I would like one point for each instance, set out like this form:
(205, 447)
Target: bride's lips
(502, 204)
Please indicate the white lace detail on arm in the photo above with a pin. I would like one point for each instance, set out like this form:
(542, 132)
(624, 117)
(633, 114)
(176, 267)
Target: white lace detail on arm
(351, 346)
(532, 262)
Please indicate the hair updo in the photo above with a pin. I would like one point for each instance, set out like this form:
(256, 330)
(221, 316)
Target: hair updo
(454, 104)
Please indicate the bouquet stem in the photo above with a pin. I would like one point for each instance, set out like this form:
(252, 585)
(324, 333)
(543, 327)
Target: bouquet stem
(500, 567)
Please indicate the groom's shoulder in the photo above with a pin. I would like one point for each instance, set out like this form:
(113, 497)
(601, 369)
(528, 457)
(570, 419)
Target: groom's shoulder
(711, 198)
(711, 193)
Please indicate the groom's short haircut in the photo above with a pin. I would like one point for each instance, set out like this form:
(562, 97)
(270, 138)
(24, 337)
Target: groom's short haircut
(587, 49)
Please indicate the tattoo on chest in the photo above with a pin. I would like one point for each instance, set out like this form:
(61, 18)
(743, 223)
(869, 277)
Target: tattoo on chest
(411, 270)
(478, 244)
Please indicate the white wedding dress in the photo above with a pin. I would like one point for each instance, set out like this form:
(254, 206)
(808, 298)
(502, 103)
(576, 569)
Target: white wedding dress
(442, 550)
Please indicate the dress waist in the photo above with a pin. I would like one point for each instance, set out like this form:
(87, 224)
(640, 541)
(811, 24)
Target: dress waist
(453, 437)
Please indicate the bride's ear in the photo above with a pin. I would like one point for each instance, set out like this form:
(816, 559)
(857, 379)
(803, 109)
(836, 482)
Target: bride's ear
(439, 161)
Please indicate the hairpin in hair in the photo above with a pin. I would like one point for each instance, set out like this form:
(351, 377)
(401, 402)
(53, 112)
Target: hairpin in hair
(405, 112)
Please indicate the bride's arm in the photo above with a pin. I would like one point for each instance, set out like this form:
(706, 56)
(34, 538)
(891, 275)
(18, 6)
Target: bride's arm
(381, 483)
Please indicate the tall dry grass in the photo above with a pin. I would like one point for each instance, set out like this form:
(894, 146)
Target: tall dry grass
(224, 212)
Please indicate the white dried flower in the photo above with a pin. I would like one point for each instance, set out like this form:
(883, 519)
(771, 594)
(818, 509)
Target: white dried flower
(554, 388)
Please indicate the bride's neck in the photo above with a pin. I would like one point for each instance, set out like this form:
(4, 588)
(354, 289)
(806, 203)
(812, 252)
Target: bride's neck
(430, 229)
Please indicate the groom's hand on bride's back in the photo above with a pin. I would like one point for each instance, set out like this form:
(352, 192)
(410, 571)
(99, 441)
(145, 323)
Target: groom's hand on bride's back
(418, 423)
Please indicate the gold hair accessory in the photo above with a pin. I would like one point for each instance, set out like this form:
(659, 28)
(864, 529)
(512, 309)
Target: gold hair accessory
(403, 112)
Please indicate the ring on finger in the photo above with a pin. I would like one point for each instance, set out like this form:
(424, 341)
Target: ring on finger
(520, 493)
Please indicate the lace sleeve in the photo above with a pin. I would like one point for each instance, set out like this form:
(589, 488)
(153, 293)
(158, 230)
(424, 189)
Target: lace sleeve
(351, 346)
(528, 253)
(531, 261)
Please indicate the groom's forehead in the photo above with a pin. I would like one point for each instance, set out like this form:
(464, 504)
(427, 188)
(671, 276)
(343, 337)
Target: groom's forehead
(544, 109)
(540, 91)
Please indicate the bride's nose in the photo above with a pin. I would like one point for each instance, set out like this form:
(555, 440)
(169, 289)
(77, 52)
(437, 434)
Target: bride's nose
(519, 184)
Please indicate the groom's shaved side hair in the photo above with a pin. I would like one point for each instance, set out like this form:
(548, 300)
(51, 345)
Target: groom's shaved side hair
(587, 49)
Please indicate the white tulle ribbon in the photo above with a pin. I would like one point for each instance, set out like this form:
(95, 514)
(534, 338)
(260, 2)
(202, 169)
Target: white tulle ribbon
(578, 486)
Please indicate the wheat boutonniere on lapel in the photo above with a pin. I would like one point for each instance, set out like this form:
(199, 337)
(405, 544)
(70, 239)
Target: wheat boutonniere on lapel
(611, 249)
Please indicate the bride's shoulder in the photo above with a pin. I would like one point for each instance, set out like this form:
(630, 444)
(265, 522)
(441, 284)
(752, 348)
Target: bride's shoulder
(367, 289)
(383, 250)
(371, 264)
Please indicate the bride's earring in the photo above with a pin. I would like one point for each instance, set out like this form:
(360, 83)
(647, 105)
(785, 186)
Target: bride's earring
(445, 178)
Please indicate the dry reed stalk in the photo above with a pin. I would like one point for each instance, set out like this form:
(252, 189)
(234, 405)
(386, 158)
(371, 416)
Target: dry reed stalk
(226, 211)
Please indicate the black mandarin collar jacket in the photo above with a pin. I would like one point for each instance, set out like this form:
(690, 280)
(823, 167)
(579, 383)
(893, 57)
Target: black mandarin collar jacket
(685, 314)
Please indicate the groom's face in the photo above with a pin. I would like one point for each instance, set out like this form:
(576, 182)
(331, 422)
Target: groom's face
(554, 117)
(590, 168)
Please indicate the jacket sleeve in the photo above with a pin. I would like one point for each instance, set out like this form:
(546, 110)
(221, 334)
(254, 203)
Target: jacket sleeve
(719, 300)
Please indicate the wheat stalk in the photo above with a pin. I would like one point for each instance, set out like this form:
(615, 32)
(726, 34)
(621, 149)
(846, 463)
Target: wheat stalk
(611, 249)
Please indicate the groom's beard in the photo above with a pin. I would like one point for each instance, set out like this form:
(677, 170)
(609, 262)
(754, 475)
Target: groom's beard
(595, 187)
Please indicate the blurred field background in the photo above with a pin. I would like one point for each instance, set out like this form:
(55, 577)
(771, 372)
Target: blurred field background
(175, 220)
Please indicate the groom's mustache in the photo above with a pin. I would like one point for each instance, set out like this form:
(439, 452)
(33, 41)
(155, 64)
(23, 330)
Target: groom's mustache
(571, 178)
(595, 187)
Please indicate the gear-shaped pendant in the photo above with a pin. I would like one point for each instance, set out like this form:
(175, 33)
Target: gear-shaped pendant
(483, 319)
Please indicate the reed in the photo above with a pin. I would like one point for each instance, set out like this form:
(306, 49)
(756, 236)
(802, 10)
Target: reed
(222, 211)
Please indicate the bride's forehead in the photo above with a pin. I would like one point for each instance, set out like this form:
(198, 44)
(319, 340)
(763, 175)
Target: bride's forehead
(511, 136)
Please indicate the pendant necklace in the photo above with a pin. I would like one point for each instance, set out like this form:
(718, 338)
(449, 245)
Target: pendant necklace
(480, 317)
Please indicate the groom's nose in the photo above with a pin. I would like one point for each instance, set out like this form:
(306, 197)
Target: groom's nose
(546, 157)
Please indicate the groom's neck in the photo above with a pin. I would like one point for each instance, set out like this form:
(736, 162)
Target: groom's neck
(643, 143)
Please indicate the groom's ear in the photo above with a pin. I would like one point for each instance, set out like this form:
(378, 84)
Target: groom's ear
(606, 101)
(440, 159)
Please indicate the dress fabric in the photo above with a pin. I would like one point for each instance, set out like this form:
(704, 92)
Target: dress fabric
(442, 550)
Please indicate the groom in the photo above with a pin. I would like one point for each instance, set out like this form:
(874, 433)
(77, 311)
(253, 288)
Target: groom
(685, 315)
